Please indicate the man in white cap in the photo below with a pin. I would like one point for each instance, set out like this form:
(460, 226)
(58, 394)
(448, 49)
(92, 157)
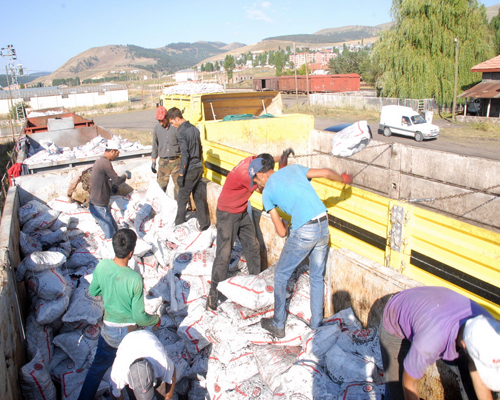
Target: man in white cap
(166, 149)
(103, 181)
(143, 364)
(424, 324)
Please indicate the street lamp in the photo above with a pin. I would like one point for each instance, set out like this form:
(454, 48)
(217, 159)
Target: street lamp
(456, 78)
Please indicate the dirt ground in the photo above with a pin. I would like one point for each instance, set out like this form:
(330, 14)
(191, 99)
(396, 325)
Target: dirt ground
(468, 139)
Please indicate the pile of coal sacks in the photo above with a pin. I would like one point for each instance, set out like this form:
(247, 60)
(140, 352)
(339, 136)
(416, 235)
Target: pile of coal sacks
(217, 355)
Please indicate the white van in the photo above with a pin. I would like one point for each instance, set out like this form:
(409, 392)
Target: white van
(405, 121)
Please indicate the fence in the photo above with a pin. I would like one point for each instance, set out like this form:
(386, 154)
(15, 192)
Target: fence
(369, 103)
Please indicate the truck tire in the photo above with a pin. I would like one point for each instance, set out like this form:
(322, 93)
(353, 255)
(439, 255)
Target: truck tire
(387, 132)
(418, 136)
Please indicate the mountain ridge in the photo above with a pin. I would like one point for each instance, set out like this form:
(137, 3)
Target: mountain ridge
(105, 61)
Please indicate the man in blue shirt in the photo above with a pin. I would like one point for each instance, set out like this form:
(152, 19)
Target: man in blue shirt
(290, 189)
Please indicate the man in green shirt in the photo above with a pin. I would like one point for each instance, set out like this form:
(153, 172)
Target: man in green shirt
(121, 289)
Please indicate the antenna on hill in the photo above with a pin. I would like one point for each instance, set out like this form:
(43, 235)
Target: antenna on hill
(14, 70)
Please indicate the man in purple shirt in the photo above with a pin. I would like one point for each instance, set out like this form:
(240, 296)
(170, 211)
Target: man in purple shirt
(424, 324)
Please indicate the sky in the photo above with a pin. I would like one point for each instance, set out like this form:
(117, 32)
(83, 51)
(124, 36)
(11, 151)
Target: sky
(48, 33)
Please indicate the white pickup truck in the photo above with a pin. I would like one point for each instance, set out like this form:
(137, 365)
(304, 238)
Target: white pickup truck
(405, 121)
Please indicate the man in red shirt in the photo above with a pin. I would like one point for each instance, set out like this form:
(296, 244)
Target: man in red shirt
(234, 221)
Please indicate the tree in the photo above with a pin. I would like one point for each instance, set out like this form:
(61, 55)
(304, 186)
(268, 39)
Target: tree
(495, 27)
(217, 66)
(229, 65)
(416, 57)
(279, 63)
(202, 68)
(209, 67)
(302, 70)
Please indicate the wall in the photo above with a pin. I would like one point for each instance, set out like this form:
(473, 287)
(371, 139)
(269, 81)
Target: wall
(367, 103)
(411, 173)
(73, 100)
(12, 297)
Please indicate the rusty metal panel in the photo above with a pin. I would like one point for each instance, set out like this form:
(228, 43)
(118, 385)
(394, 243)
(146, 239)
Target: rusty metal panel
(483, 90)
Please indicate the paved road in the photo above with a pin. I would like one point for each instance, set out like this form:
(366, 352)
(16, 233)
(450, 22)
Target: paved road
(144, 120)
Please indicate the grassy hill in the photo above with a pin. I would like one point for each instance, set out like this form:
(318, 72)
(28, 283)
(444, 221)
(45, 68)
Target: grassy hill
(105, 61)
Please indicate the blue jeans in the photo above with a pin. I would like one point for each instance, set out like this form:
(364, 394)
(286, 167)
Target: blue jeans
(104, 357)
(309, 240)
(105, 220)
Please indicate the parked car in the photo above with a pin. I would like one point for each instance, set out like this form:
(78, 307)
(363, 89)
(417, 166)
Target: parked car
(474, 107)
(407, 122)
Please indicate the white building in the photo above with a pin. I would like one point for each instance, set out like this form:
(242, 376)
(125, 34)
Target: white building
(78, 96)
(185, 75)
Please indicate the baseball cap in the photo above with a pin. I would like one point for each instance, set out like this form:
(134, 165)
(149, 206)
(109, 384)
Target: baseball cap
(141, 379)
(254, 167)
(482, 341)
(161, 112)
(112, 145)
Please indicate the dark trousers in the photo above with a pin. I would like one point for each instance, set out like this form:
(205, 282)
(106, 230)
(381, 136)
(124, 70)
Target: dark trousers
(230, 226)
(394, 351)
(104, 357)
(192, 184)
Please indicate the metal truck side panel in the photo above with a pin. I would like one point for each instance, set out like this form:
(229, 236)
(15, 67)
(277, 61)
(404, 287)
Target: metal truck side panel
(13, 302)
(270, 135)
(211, 107)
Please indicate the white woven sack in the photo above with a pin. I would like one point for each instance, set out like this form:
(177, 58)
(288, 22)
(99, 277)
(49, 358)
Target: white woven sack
(363, 342)
(295, 331)
(62, 204)
(28, 244)
(78, 344)
(48, 284)
(35, 380)
(30, 209)
(351, 140)
(83, 306)
(39, 338)
(39, 261)
(194, 264)
(361, 391)
(70, 378)
(300, 301)
(343, 366)
(41, 221)
(318, 342)
(179, 356)
(241, 316)
(273, 361)
(253, 388)
(47, 311)
(186, 289)
(345, 319)
(254, 292)
(192, 328)
(305, 380)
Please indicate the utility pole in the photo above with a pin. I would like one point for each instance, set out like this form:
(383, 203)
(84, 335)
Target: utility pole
(295, 68)
(14, 70)
(456, 79)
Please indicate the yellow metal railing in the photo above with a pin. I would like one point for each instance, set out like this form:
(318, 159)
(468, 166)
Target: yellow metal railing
(428, 247)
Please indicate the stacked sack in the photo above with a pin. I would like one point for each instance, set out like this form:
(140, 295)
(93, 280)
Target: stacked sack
(219, 355)
(48, 151)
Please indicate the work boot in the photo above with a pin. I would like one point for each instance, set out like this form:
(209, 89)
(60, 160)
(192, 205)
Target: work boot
(268, 325)
(212, 299)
